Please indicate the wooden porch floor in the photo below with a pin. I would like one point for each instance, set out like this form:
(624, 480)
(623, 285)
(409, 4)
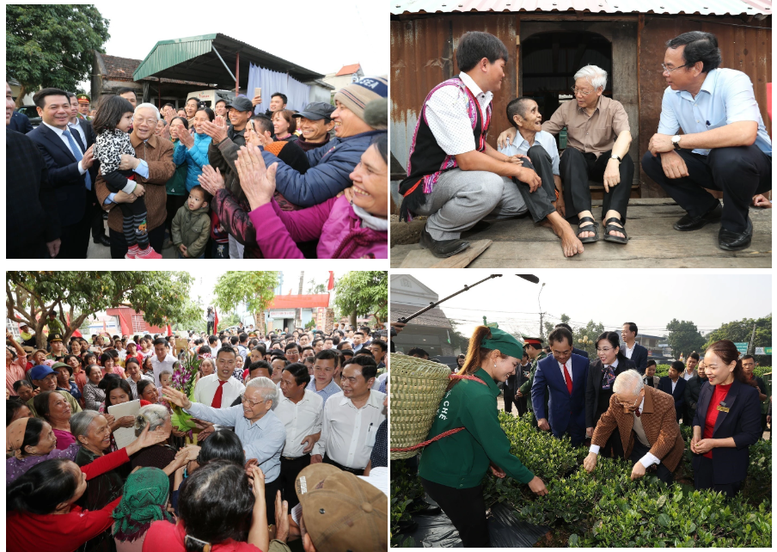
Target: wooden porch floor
(519, 243)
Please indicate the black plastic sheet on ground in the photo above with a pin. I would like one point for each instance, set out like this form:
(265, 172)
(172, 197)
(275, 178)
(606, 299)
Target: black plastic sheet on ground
(505, 529)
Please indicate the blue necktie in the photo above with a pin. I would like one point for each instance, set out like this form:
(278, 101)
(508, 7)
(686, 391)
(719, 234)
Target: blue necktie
(77, 154)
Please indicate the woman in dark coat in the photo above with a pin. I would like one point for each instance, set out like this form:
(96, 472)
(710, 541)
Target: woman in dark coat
(601, 376)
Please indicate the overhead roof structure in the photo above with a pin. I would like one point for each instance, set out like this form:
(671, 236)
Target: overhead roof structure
(213, 58)
(669, 7)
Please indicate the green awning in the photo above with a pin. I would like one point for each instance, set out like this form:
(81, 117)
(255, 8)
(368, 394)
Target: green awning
(211, 58)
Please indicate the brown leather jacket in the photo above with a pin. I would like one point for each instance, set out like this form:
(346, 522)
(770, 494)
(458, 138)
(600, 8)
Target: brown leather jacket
(158, 153)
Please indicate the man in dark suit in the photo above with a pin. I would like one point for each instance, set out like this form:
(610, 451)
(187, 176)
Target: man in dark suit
(575, 350)
(564, 375)
(646, 422)
(692, 389)
(20, 122)
(93, 211)
(29, 196)
(633, 350)
(69, 163)
(674, 385)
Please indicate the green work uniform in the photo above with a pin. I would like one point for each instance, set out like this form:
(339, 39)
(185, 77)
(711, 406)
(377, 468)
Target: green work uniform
(462, 460)
(525, 389)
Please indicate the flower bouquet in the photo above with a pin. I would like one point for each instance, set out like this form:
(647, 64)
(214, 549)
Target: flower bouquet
(184, 376)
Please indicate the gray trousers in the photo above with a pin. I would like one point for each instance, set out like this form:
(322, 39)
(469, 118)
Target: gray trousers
(462, 198)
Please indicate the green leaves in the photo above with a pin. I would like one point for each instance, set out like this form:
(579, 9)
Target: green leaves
(364, 292)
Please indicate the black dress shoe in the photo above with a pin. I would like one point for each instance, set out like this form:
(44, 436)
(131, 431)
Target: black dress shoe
(688, 222)
(734, 241)
(102, 239)
(442, 248)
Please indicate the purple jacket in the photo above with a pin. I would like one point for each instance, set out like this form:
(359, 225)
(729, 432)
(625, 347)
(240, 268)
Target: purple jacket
(334, 223)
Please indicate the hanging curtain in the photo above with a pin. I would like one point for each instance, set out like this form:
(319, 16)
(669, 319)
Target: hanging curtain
(273, 81)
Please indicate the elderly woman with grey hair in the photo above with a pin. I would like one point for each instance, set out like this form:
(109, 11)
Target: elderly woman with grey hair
(261, 432)
(160, 455)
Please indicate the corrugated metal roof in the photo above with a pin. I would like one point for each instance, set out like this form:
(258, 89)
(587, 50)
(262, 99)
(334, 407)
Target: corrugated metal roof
(192, 58)
(670, 7)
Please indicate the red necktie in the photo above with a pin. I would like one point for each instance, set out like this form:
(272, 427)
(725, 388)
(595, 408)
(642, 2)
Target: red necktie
(568, 378)
(636, 413)
(217, 397)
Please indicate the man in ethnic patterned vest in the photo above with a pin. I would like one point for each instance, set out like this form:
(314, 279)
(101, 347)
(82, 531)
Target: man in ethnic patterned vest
(456, 178)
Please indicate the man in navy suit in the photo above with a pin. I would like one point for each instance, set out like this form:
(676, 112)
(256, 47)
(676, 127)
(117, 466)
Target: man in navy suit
(69, 163)
(674, 385)
(564, 375)
(633, 350)
(575, 350)
(20, 122)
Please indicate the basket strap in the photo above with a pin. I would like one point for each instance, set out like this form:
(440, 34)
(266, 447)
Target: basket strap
(444, 433)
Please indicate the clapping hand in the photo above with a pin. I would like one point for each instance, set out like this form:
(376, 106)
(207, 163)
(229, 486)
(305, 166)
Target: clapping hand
(216, 129)
(257, 181)
(211, 179)
(186, 139)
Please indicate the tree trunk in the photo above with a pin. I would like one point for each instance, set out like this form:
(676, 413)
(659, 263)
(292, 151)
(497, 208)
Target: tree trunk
(20, 97)
(352, 319)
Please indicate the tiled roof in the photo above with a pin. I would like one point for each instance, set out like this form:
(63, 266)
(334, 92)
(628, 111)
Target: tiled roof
(348, 70)
(432, 318)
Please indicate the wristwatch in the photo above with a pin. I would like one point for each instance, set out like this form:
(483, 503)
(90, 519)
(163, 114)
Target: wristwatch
(616, 157)
(676, 141)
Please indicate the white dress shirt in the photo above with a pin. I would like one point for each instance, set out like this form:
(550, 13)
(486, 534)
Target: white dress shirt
(206, 388)
(628, 352)
(160, 366)
(300, 420)
(348, 433)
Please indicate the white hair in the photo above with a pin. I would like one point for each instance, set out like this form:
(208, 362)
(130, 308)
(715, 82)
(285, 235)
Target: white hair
(268, 387)
(629, 381)
(152, 415)
(80, 422)
(595, 75)
(150, 106)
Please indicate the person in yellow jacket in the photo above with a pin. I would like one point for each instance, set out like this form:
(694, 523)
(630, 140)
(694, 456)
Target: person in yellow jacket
(452, 469)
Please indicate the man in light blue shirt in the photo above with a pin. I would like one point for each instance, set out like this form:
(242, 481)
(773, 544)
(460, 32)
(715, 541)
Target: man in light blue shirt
(260, 431)
(536, 150)
(724, 144)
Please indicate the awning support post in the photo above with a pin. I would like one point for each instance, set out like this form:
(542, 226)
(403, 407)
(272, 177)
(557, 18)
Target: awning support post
(237, 72)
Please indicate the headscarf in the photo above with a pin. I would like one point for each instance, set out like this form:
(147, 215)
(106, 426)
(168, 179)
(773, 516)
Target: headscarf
(14, 437)
(144, 502)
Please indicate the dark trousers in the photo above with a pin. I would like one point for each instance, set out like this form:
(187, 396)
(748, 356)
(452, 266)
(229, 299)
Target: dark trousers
(508, 400)
(466, 510)
(75, 240)
(521, 405)
(540, 202)
(270, 490)
(354, 471)
(290, 468)
(95, 215)
(740, 173)
(156, 238)
(577, 168)
(641, 450)
(210, 328)
(704, 478)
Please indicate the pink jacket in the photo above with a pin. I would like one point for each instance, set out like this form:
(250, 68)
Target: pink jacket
(333, 223)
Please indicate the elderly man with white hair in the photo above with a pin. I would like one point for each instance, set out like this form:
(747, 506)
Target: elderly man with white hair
(153, 166)
(598, 140)
(646, 426)
(261, 432)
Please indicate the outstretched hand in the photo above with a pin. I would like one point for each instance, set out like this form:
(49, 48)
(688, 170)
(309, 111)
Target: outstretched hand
(176, 397)
(256, 179)
(217, 129)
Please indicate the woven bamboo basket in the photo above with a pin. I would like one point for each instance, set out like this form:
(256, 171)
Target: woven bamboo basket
(417, 387)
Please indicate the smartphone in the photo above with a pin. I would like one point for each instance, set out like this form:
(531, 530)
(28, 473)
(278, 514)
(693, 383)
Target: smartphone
(257, 92)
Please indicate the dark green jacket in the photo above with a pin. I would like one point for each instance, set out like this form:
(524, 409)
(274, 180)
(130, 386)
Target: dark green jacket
(462, 460)
(525, 389)
(191, 228)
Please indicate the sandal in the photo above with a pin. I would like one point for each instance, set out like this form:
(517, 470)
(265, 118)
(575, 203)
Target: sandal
(609, 227)
(589, 228)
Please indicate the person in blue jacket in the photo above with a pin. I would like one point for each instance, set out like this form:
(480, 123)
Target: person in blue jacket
(727, 422)
(193, 148)
(331, 164)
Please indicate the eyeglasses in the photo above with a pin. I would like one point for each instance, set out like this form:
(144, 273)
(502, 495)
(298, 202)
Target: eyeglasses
(582, 92)
(603, 349)
(670, 70)
(632, 405)
(249, 402)
(140, 121)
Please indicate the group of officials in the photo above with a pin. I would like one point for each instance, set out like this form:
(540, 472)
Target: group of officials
(710, 136)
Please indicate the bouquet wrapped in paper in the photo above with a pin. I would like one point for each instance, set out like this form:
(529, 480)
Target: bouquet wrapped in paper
(184, 376)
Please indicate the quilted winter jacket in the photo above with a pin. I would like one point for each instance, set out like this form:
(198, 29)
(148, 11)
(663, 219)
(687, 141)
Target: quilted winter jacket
(195, 158)
(191, 228)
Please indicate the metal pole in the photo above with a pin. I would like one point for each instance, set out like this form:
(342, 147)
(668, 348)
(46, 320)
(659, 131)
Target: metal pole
(432, 305)
(752, 338)
(237, 75)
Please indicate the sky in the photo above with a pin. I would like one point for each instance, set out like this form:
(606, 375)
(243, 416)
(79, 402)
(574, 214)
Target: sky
(650, 298)
(320, 35)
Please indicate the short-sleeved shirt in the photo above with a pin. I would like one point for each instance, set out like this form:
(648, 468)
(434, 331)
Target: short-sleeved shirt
(519, 145)
(590, 134)
(725, 97)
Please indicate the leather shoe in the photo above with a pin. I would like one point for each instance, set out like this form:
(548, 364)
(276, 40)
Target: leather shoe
(734, 241)
(442, 248)
(102, 239)
(687, 222)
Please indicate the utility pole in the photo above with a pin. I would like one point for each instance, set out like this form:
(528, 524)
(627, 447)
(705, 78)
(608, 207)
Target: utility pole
(750, 348)
(542, 314)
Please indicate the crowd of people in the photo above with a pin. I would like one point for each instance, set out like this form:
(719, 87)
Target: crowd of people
(613, 405)
(710, 136)
(226, 182)
(286, 438)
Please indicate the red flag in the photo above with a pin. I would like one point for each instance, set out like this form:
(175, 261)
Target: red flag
(76, 333)
(215, 322)
(169, 331)
(331, 285)
(123, 325)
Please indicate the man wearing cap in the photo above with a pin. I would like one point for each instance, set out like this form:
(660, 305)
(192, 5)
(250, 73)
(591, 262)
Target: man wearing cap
(314, 123)
(351, 419)
(532, 346)
(83, 106)
(26, 336)
(64, 381)
(57, 347)
(45, 379)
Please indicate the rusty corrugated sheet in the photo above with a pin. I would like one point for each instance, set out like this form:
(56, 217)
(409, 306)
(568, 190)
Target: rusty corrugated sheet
(746, 49)
(701, 7)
